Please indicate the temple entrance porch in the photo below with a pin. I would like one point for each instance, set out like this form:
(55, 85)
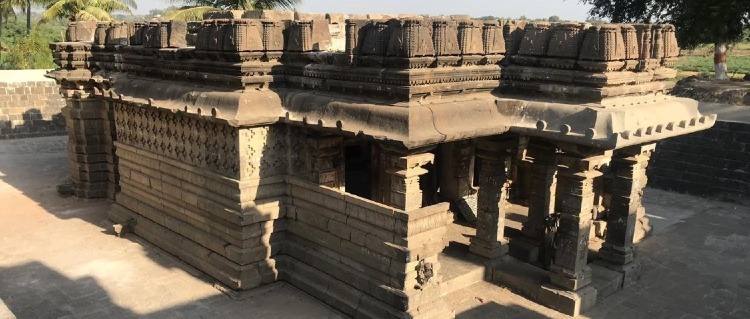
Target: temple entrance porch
(556, 222)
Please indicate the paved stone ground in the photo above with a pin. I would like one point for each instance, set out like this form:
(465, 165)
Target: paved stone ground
(58, 259)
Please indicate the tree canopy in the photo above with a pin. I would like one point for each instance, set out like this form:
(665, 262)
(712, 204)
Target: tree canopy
(194, 9)
(86, 10)
(697, 21)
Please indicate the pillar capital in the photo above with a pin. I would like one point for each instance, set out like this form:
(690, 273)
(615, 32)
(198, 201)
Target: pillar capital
(405, 170)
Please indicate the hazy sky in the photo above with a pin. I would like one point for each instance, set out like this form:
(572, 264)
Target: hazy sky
(565, 9)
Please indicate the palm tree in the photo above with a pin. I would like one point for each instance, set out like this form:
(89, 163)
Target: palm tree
(86, 10)
(6, 11)
(194, 9)
(24, 6)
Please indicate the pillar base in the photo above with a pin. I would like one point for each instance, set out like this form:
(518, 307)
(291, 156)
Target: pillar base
(616, 255)
(630, 272)
(488, 250)
(525, 249)
(568, 282)
(533, 282)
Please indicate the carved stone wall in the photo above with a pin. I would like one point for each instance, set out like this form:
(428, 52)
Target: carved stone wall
(363, 258)
(201, 188)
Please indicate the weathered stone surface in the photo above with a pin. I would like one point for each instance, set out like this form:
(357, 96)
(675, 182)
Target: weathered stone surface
(236, 155)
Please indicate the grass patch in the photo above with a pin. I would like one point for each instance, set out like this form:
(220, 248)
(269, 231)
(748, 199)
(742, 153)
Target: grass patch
(705, 64)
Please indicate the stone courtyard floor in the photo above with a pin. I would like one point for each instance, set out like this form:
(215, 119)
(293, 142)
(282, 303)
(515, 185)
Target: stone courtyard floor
(60, 259)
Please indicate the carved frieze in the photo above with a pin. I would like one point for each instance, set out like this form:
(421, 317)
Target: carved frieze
(187, 139)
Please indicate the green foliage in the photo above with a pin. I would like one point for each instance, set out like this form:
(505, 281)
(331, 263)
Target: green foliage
(85, 10)
(29, 51)
(194, 9)
(697, 21)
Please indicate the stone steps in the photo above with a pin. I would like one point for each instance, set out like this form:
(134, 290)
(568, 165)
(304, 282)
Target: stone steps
(459, 270)
(534, 283)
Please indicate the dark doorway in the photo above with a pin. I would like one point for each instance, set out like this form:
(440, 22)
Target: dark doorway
(358, 169)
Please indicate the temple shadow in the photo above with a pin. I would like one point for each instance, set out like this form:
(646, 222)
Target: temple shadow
(32, 123)
(492, 309)
(33, 290)
(35, 166)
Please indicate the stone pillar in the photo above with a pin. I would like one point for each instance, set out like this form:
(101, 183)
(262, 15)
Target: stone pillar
(405, 192)
(91, 134)
(327, 160)
(628, 180)
(575, 192)
(457, 175)
(492, 199)
(543, 184)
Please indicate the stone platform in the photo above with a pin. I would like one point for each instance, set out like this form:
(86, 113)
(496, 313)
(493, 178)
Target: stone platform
(58, 258)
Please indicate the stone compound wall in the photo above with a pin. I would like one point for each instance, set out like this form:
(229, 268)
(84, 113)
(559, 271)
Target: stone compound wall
(30, 105)
(713, 163)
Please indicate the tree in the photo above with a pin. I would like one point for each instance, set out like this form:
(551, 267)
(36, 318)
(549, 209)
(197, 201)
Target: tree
(194, 9)
(24, 6)
(86, 10)
(720, 22)
(554, 19)
(6, 11)
(30, 53)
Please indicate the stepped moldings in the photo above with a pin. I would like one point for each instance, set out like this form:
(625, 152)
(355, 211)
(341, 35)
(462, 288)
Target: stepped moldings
(268, 145)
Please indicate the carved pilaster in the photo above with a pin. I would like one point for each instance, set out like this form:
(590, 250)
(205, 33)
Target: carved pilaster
(543, 184)
(629, 179)
(327, 159)
(405, 192)
(457, 175)
(575, 192)
(495, 158)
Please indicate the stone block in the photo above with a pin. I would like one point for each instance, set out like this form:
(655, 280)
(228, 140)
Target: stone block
(225, 14)
(606, 281)
(171, 34)
(306, 36)
(81, 31)
(560, 278)
(268, 14)
(243, 35)
(524, 249)
(567, 302)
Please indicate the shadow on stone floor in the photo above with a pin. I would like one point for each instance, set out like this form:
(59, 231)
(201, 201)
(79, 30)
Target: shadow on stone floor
(33, 290)
(34, 167)
(493, 309)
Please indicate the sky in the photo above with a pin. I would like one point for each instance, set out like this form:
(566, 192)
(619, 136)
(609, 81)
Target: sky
(565, 9)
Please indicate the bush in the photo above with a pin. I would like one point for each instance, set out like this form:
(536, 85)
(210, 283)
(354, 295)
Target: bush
(30, 52)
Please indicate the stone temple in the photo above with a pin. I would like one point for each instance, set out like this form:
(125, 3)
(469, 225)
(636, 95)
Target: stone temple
(337, 153)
